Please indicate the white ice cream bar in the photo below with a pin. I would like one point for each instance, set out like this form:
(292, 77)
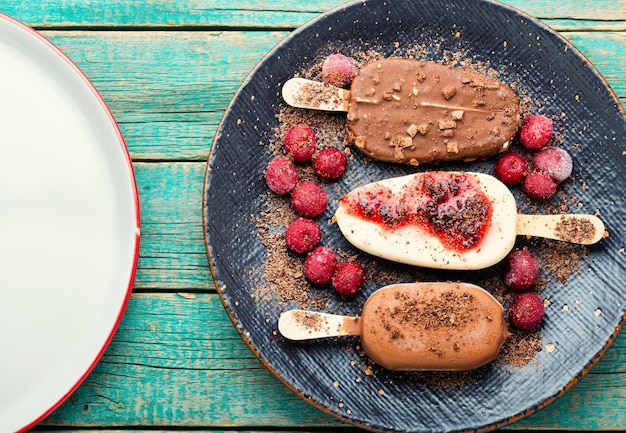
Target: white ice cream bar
(420, 244)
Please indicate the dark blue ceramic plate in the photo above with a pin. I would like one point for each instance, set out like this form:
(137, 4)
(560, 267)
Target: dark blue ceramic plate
(333, 375)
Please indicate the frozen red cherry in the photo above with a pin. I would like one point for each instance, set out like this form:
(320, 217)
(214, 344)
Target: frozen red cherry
(511, 168)
(535, 131)
(349, 278)
(302, 235)
(281, 175)
(300, 142)
(338, 70)
(555, 162)
(319, 265)
(526, 311)
(330, 164)
(522, 270)
(308, 199)
(539, 186)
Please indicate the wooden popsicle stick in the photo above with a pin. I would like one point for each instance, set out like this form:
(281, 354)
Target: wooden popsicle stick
(575, 228)
(308, 325)
(313, 95)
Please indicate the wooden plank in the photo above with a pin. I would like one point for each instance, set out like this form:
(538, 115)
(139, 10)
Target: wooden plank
(169, 13)
(606, 53)
(176, 361)
(276, 14)
(172, 253)
(596, 403)
(169, 90)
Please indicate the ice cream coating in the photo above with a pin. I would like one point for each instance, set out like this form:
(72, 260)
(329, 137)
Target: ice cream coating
(432, 326)
(439, 219)
(415, 112)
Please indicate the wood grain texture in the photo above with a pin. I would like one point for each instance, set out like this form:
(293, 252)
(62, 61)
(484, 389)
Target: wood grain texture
(172, 254)
(176, 361)
(169, 90)
(274, 14)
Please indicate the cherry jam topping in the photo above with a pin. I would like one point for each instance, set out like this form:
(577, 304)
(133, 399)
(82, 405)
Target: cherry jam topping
(450, 206)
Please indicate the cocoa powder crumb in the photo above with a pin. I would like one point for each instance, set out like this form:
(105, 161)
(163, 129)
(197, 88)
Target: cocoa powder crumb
(450, 310)
(575, 229)
(316, 95)
(561, 259)
(283, 271)
(311, 321)
(520, 348)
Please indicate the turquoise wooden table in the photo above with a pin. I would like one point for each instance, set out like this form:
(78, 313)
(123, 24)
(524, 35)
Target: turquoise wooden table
(167, 69)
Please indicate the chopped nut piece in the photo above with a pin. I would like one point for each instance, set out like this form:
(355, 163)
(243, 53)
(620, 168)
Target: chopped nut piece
(412, 130)
(447, 133)
(452, 147)
(395, 97)
(421, 77)
(415, 91)
(359, 141)
(457, 114)
(477, 83)
(448, 92)
(447, 124)
(423, 128)
(400, 143)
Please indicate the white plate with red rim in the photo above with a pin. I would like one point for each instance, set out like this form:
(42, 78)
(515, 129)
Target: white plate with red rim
(69, 226)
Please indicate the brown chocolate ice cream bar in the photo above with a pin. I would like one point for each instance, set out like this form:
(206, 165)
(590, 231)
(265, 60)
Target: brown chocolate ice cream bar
(416, 112)
(415, 326)
(432, 326)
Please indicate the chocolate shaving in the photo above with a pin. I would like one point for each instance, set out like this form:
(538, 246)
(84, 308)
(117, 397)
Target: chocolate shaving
(574, 229)
(317, 94)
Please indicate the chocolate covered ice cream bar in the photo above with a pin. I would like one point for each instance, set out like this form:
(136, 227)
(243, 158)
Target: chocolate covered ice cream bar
(415, 326)
(415, 112)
